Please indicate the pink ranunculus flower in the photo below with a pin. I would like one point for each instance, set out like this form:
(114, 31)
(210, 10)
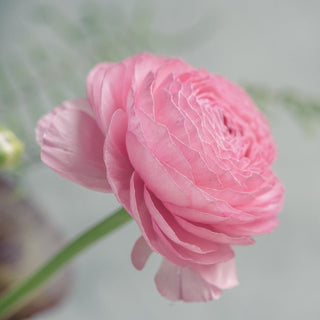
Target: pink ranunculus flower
(185, 152)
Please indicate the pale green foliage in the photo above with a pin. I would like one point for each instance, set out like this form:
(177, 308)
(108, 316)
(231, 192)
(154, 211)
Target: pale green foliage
(304, 108)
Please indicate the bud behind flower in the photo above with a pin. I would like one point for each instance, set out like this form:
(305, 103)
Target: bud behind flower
(11, 149)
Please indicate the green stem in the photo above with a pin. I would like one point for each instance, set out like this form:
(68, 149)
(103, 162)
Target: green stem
(20, 295)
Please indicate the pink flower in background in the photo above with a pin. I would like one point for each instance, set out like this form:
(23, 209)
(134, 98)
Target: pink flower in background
(185, 152)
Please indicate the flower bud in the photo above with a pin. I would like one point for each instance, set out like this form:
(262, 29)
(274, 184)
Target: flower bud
(11, 149)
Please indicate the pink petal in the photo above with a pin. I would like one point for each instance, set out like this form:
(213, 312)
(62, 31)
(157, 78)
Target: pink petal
(145, 63)
(140, 253)
(169, 114)
(223, 252)
(257, 227)
(95, 82)
(168, 281)
(182, 283)
(72, 144)
(107, 87)
(261, 226)
(214, 212)
(140, 213)
(43, 125)
(173, 231)
(196, 289)
(119, 168)
(207, 232)
(195, 214)
(223, 275)
(268, 199)
(158, 139)
(144, 97)
(175, 67)
(153, 172)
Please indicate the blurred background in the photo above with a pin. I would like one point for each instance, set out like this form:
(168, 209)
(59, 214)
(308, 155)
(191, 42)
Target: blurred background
(271, 48)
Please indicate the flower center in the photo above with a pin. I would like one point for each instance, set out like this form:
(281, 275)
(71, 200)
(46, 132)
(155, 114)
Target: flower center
(231, 128)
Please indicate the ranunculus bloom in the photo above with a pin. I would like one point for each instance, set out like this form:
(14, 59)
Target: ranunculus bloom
(185, 152)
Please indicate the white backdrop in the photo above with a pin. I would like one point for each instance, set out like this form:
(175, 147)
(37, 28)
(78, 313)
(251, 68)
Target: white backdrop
(275, 43)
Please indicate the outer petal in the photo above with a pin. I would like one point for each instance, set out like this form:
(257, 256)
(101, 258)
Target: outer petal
(182, 283)
(107, 88)
(119, 169)
(223, 275)
(140, 213)
(168, 281)
(94, 83)
(173, 231)
(72, 143)
(207, 232)
(43, 125)
(260, 226)
(140, 253)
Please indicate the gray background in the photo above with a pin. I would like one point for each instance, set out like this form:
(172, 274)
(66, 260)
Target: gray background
(273, 43)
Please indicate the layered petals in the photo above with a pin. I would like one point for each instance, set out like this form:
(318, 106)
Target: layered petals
(184, 283)
(187, 154)
(190, 284)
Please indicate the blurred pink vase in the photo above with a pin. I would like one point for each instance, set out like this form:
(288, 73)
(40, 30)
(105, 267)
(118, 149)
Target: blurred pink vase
(187, 154)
